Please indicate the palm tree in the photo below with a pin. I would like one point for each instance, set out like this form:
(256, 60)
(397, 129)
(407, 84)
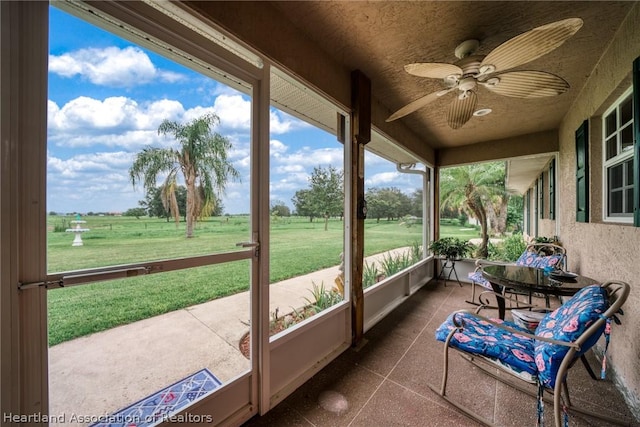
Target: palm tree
(201, 158)
(474, 187)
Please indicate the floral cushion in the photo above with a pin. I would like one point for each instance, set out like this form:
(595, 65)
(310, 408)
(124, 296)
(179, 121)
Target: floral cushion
(476, 277)
(527, 259)
(567, 323)
(483, 338)
(524, 355)
(547, 261)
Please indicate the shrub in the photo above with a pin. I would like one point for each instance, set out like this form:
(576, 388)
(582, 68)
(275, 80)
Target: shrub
(509, 249)
(322, 298)
(61, 227)
(390, 265)
(451, 247)
(369, 275)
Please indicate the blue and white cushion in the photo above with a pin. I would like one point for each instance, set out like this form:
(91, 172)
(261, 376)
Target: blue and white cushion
(524, 355)
(547, 261)
(476, 277)
(567, 323)
(483, 338)
(527, 259)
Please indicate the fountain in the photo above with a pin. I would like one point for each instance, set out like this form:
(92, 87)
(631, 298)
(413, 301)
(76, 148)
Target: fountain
(78, 230)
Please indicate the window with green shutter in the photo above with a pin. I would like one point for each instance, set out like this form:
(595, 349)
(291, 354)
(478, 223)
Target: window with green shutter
(618, 150)
(541, 195)
(582, 172)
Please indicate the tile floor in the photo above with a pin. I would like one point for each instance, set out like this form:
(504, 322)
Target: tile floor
(384, 383)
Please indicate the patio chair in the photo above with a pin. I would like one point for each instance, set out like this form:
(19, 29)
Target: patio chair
(539, 255)
(543, 358)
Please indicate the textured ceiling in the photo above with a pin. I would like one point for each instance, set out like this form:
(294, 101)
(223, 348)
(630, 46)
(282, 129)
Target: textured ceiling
(379, 38)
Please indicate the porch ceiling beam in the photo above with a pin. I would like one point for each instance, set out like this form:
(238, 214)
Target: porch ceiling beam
(501, 149)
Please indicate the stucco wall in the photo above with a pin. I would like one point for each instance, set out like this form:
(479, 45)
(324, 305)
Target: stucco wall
(596, 249)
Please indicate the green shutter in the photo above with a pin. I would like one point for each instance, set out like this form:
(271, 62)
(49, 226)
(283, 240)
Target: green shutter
(636, 145)
(582, 172)
(541, 194)
(552, 189)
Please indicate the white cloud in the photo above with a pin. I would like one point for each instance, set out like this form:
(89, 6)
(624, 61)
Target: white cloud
(289, 169)
(281, 122)
(234, 112)
(88, 113)
(95, 163)
(111, 66)
(91, 182)
(291, 183)
(382, 179)
(310, 158)
(277, 147)
(116, 121)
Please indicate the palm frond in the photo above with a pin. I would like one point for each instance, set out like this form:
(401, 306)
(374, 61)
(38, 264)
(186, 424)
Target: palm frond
(150, 163)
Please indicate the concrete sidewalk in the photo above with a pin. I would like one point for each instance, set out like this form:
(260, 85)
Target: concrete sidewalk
(103, 372)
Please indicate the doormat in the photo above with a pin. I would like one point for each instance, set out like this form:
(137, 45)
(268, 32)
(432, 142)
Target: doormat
(162, 405)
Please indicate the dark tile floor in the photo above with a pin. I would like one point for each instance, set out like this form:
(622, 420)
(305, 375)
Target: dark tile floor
(384, 383)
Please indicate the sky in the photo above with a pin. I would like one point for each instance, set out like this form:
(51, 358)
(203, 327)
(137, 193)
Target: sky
(107, 97)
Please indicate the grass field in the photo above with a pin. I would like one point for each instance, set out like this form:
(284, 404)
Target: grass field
(297, 247)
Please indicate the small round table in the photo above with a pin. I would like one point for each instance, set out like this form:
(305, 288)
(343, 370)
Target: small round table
(530, 280)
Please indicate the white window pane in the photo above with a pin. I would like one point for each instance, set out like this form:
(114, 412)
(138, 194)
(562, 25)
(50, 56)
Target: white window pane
(626, 111)
(612, 147)
(626, 138)
(629, 201)
(610, 123)
(615, 177)
(615, 202)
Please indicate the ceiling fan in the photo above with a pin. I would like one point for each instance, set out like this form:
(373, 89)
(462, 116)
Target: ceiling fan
(472, 71)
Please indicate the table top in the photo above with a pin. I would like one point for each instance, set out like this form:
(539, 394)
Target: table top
(534, 280)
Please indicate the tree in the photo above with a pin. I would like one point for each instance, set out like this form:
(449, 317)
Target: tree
(473, 187)
(302, 202)
(327, 192)
(416, 203)
(201, 158)
(153, 203)
(137, 212)
(515, 213)
(278, 208)
(387, 203)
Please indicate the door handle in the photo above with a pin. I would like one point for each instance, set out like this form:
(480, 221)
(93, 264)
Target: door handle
(248, 244)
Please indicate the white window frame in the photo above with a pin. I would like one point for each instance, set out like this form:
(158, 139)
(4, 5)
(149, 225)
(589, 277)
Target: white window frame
(620, 158)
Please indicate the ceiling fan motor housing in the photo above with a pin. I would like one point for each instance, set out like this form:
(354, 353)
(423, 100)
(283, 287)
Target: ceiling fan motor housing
(467, 84)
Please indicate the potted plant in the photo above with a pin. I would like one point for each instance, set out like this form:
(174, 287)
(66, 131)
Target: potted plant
(451, 248)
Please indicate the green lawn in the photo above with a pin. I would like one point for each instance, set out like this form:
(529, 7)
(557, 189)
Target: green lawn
(453, 230)
(297, 247)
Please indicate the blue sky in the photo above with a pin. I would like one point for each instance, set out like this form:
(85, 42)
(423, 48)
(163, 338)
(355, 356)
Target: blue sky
(107, 97)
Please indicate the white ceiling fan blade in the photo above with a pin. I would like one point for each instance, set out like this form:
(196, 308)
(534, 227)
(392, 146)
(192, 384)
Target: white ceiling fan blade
(461, 110)
(528, 84)
(417, 104)
(530, 45)
(433, 70)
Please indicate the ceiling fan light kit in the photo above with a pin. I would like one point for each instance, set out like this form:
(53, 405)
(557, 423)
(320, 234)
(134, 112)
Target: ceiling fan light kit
(472, 71)
(482, 112)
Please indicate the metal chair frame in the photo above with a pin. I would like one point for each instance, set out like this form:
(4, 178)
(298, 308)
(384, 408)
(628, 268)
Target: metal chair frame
(618, 292)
